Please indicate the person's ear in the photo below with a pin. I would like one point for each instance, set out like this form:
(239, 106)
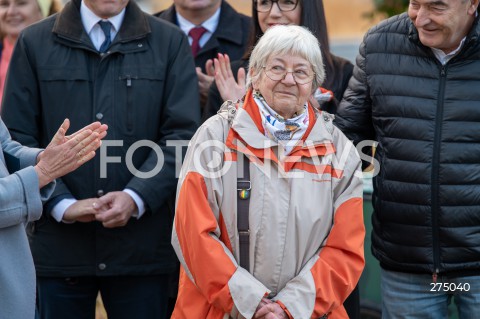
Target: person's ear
(473, 6)
(252, 73)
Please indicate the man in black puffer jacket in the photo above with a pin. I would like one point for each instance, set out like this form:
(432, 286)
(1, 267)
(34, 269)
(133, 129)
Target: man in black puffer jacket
(415, 90)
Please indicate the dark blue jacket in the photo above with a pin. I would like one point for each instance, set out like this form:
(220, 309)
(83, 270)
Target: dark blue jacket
(138, 88)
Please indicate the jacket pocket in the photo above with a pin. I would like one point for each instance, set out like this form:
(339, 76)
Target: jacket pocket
(140, 90)
(63, 90)
(50, 74)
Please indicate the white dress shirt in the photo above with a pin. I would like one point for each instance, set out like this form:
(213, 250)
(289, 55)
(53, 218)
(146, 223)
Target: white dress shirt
(444, 58)
(90, 24)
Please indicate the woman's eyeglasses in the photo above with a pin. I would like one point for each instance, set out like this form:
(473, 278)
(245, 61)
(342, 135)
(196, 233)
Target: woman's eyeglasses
(278, 73)
(283, 5)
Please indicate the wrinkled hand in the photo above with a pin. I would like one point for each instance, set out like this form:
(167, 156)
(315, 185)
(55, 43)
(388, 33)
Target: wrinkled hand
(205, 80)
(119, 208)
(227, 86)
(270, 310)
(65, 154)
(95, 127)
(263, 302)
(82, 211)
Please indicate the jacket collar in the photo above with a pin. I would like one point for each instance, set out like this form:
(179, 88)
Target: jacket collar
(248, 129)
(68, 24)
(169, 14)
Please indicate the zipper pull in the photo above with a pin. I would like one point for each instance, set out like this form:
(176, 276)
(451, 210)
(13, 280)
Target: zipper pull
(435, 276)
(129, 81)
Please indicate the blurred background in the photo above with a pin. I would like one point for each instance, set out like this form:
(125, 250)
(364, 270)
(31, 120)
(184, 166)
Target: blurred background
(347, 20)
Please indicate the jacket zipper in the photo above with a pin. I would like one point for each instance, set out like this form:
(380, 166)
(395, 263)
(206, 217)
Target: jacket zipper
(128, 82)
(436, 165)
(435, 171)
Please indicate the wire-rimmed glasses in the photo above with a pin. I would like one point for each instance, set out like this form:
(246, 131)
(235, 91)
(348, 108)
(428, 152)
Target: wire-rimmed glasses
(277, 73)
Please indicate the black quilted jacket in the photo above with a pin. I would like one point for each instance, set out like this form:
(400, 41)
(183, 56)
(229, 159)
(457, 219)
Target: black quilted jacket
(426, 119)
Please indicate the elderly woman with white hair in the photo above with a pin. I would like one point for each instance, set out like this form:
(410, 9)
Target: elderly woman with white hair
(269, 219)
(15, 16)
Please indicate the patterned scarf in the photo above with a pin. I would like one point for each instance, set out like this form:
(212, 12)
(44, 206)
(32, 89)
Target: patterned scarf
(286, 132)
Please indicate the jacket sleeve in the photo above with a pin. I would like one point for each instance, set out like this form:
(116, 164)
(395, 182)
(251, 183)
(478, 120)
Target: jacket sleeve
(21, 105)
(180, 118)
(330, 275)
(21, 199)
(19, 194)
(18, 155)
(202, 242)
(354, 114)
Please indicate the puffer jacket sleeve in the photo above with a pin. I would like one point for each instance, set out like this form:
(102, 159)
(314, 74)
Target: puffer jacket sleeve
(329, 276)
(200, 237)
(354, 114)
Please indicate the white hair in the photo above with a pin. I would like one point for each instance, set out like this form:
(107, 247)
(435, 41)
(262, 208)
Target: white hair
(287, 40)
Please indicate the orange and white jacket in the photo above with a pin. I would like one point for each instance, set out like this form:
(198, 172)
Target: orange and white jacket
(306, 220)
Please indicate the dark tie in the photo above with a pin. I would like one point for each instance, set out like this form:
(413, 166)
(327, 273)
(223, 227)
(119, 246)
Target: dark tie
(196, 33)
(106, 28)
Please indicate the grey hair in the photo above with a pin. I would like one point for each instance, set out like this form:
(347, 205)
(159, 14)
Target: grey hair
(287, 40)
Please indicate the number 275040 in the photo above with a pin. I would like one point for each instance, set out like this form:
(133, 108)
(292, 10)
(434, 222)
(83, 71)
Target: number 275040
(446, 286)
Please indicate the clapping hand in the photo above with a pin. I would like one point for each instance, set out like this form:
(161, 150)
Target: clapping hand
(66, 153)
(228, 88)
(205, 80)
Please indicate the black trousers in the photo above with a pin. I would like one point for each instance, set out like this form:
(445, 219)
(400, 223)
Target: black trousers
(124, 297)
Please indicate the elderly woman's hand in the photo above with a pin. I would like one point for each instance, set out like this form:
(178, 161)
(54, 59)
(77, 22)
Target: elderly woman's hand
(66, 153)
(228, 88)
(267, 309)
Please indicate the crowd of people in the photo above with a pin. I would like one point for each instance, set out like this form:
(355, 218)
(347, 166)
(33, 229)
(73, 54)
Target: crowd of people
(229, 184)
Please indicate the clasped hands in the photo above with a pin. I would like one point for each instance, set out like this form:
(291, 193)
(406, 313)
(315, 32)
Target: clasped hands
(113, 209)
(268, 309)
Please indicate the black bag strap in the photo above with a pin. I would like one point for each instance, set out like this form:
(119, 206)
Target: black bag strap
(244, 187)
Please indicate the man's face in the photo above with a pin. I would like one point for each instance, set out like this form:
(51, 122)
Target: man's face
(442, 24)
(194, 5)
(106, 8)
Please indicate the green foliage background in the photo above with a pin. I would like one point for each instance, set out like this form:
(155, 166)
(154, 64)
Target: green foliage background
(390, 7)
